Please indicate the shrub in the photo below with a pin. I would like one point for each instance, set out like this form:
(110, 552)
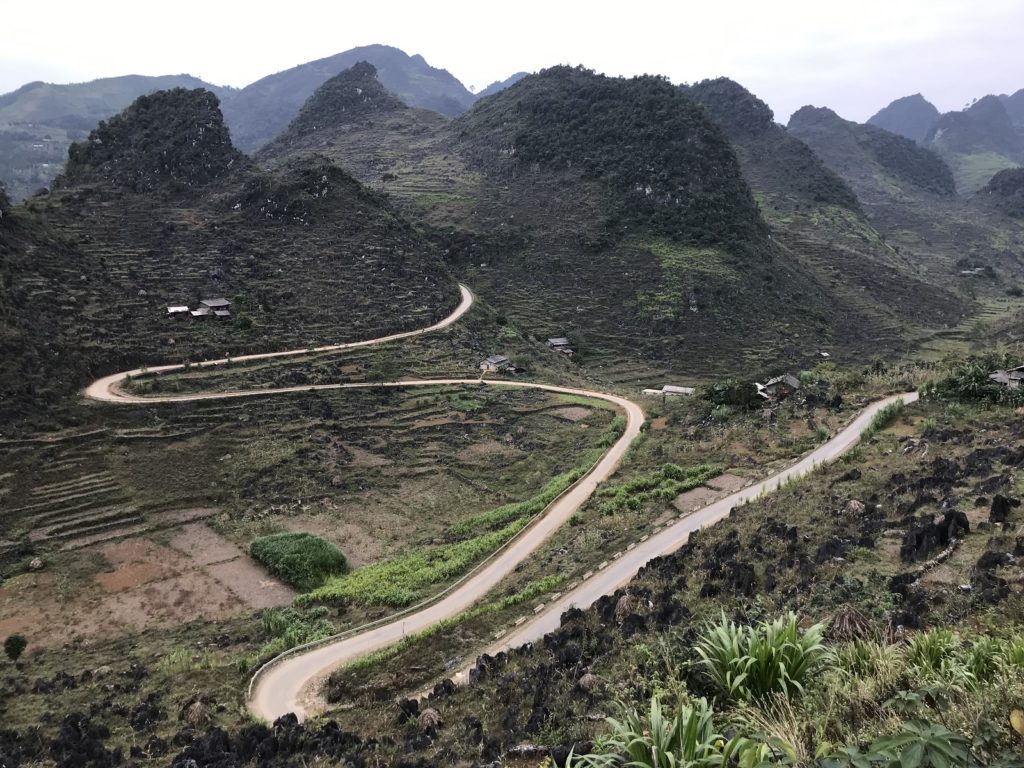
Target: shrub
(301, 559)
(688, 738)
(14, 646)
(746, 662)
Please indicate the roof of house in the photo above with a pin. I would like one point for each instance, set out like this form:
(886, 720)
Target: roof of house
(497, 359)
(222, 312)
(211, 303)
(177, 309)
(674, 390)
(200, 312)
(558, 341)
(1005, 377)
(788, 379)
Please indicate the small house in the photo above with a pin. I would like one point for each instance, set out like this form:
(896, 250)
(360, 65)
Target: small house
(671, 390)
(222, 313)
(216, 303)
(495, 364)
(779, 388)
(560, 344)
(201, 312)
(1011, 379)
(177, 311)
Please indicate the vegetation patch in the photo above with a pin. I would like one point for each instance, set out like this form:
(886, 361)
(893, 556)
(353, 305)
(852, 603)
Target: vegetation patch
(300, 559)
(665, 484)
(401, 580)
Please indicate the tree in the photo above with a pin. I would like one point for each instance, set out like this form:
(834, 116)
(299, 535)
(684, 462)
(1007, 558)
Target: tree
(14, 646)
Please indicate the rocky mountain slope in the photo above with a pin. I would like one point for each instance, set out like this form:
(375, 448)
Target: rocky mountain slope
(1006, 192)
(911, 117)
(158, 208)
(39, 121)
(977, 142)
(616, 211)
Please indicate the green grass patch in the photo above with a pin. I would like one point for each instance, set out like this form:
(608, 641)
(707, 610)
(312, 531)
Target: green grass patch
(523, 509)
(665, 484)
(401, 580)
(881, 420)
(302, 560)
(532, 590)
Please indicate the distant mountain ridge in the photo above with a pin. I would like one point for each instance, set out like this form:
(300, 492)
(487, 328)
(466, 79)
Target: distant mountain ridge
(39, 121)
(263, 109)
(912, 117)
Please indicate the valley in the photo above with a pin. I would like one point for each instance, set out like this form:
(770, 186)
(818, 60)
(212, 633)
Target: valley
(353, 418)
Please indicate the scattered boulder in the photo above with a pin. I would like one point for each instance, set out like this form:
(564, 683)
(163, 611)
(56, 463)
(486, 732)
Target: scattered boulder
(429, 720)
(196, 714)
(101, 672)
(588, 682)
(854, 508)
(36, 564)
(999, 512)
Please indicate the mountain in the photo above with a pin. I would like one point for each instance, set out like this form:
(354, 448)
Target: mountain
(774, 162)
(39, 121)
(911, 117)
(843, 144)
(158, 208)
(500, 85)
(618, 212)
(1005, 191)
(1015, 107)
(263, 109)
(977, 142)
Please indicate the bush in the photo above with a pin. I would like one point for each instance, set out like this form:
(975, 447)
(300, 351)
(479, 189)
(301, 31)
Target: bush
(746, 662)
(14, 646)
(688, 738)
(302, 560)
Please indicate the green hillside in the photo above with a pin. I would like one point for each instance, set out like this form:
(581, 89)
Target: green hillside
(159, 209)
(978, 142)
(39, 121)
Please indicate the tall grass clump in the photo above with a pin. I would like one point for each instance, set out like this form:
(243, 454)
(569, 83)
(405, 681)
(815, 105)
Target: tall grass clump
(882, 419)
(751, 662)
(665, 485)
(302, 560)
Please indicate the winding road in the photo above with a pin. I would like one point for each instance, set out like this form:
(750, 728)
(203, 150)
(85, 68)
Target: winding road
(292, 682)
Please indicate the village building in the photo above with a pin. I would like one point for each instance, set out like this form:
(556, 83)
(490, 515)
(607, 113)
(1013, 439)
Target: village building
(201, 312)
(1011, 378)
(560, 344)
(778, 388)
(177, 311)
(222, 313)
(218, 303)
(671, 390)
(496, 364)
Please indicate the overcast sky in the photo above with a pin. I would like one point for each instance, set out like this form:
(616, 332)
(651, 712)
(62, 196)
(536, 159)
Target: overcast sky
(852, 56)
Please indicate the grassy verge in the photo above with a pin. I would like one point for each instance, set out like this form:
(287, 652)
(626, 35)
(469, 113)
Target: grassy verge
(665, 484)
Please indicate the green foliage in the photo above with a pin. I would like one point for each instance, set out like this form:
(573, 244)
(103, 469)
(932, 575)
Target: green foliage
(172, 139)
(881, 420)
(750, 662)
(520, 509)
(970, 382)
(401, 580)
(923, 745)
(665, 164)
(288, 628)
(1006, 191)
(664, 485)
(735, 392)
(687, 738)
(14, 646)
(301, 559)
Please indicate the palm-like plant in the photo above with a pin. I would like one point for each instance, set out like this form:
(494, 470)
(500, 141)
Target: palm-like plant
(752, 662)
(686, 739)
